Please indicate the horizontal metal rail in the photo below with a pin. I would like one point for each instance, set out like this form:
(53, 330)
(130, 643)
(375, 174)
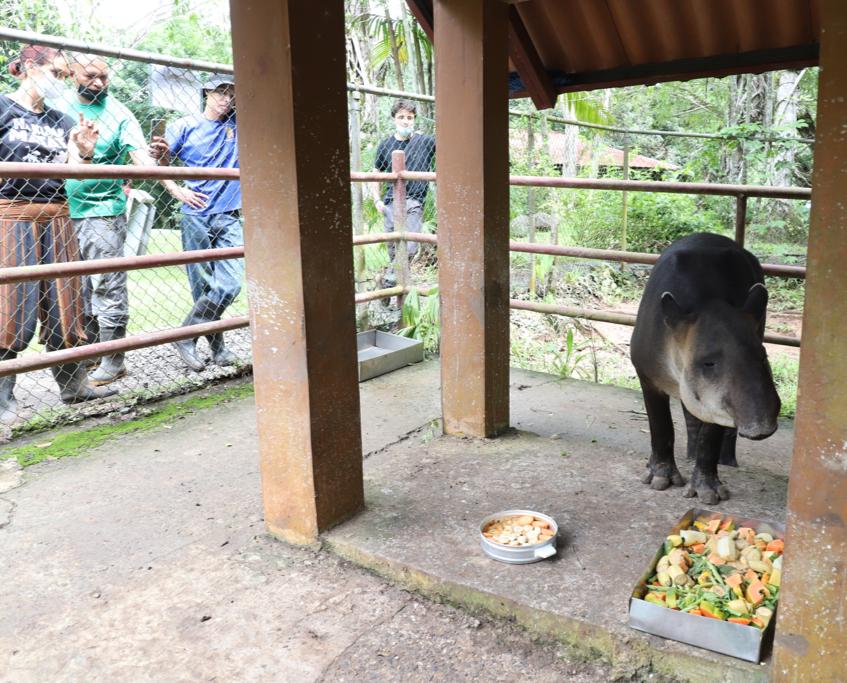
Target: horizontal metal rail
(377, 237)
(775, 269)
(85, 171)
(39, 361)
(9, 169)
(615, 317)
(107, 51)
(114, 265)
(661, 186)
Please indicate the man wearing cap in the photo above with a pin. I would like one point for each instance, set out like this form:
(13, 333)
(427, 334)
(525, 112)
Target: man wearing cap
(98, 207)
(209, 140)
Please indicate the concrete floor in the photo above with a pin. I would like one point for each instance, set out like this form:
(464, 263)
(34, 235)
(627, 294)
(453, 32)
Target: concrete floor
(147, 559)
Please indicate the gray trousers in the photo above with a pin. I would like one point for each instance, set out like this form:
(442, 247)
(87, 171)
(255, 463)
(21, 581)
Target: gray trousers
(106, 295)
(414, 219)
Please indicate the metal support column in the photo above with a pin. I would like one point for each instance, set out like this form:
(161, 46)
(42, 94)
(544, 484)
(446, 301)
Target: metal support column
(294, 151)
(473, 214)
(812, 622)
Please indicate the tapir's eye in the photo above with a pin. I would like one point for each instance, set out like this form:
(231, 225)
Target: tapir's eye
(709, 364)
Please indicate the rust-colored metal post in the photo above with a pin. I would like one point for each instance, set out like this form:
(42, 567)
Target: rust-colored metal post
(810, 643)
(401, 248)
(294, 152)
(740, 218)
(473, 214)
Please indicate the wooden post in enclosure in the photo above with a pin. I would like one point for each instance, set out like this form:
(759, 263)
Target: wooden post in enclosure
(740, 218)
(401, 248)
(625, 200)
(357, 190)
(531, 207)
(810, 631)
(290, 66)
(473, 214)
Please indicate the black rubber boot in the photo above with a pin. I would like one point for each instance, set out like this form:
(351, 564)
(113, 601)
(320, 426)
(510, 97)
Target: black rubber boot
(8, 402)
(111, 367)
(92, 336)
(74, 386)
(204, 311)
(221, 355)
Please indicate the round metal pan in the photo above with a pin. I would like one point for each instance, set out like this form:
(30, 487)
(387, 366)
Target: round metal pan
(523, 554)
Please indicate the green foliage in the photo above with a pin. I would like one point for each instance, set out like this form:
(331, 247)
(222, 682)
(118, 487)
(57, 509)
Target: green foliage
(785, 375)
(421, 319)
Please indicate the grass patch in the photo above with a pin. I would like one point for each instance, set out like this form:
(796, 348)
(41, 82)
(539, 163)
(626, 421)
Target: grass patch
(73, 443)
(785, 374)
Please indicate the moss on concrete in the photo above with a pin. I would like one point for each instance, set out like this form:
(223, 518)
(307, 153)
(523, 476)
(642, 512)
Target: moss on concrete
(70, 443)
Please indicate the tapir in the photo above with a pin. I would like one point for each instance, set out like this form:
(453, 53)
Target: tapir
(698, 338)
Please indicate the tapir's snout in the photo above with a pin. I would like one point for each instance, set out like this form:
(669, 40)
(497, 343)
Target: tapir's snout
(759, 434)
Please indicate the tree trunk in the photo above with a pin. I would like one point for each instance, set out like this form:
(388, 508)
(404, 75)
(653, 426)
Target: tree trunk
(395, 49)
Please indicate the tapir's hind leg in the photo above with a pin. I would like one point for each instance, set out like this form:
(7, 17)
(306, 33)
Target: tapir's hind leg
(705, 441)
(661, 469)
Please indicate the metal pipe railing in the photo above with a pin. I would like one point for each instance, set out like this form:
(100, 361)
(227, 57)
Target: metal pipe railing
(9, 169)
(107, 51)
(615, 317)
(775, 269)
(39, 361)
(113, 265)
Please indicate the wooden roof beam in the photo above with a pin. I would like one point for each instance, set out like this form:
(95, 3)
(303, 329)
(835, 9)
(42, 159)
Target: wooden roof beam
(539, 86)
(422, 11)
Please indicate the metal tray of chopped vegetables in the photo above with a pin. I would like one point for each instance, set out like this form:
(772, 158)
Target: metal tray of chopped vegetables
(713, 583)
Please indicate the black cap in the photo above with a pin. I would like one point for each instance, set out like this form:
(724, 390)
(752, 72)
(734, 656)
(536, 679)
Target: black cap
(215, 82)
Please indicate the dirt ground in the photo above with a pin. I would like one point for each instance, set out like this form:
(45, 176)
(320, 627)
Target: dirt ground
(147, 560)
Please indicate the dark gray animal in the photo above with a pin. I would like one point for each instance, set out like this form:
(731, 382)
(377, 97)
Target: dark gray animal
(698, 338)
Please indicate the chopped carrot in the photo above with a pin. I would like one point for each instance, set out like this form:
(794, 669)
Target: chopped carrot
(698, 548)
(703, 613)
(756, 592)
(733, 580)
(716, 559)
(758, 622)
(751, 576)
(740, 620)
(695, 612)
(713, 526)
(728, 524)
(777, 545)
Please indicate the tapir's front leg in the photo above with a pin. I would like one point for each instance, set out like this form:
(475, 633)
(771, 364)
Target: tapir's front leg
(704, 446)
(661, 469)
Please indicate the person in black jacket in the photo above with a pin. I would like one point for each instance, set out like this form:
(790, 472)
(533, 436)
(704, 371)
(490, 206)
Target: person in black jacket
(420, 156)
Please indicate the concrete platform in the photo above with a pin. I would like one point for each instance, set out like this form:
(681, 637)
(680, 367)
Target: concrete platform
(577, 452)
(147, 559)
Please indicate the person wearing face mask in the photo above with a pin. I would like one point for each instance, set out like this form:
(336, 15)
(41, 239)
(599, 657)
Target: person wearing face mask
(209, 140)
(98, 207)
(35, 227)
(420, 156)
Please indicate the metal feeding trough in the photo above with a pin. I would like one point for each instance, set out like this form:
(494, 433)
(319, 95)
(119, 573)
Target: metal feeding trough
(381, 352)
(736, 640)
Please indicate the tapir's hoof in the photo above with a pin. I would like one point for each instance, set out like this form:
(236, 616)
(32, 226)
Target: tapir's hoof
(707, 494)
(661, 476)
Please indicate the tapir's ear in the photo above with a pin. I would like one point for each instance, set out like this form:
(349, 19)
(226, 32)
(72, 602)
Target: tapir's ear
(671, 311)
(757, 301)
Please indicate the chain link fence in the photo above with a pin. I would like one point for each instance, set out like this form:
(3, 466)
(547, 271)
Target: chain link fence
(47, 98)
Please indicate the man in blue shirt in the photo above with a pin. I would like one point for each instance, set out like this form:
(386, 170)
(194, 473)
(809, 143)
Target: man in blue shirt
(209, 140)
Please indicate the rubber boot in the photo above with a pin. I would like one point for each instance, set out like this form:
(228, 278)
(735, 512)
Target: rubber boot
(111, 367)
(74, 386)
(92, 336)
(204, 311)
(8, 402)
(221, 355)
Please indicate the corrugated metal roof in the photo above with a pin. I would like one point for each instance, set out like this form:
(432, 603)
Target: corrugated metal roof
(584, 36)
(566, 45)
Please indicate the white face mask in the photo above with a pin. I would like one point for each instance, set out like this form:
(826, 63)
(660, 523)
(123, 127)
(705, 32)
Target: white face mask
(48, 86)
